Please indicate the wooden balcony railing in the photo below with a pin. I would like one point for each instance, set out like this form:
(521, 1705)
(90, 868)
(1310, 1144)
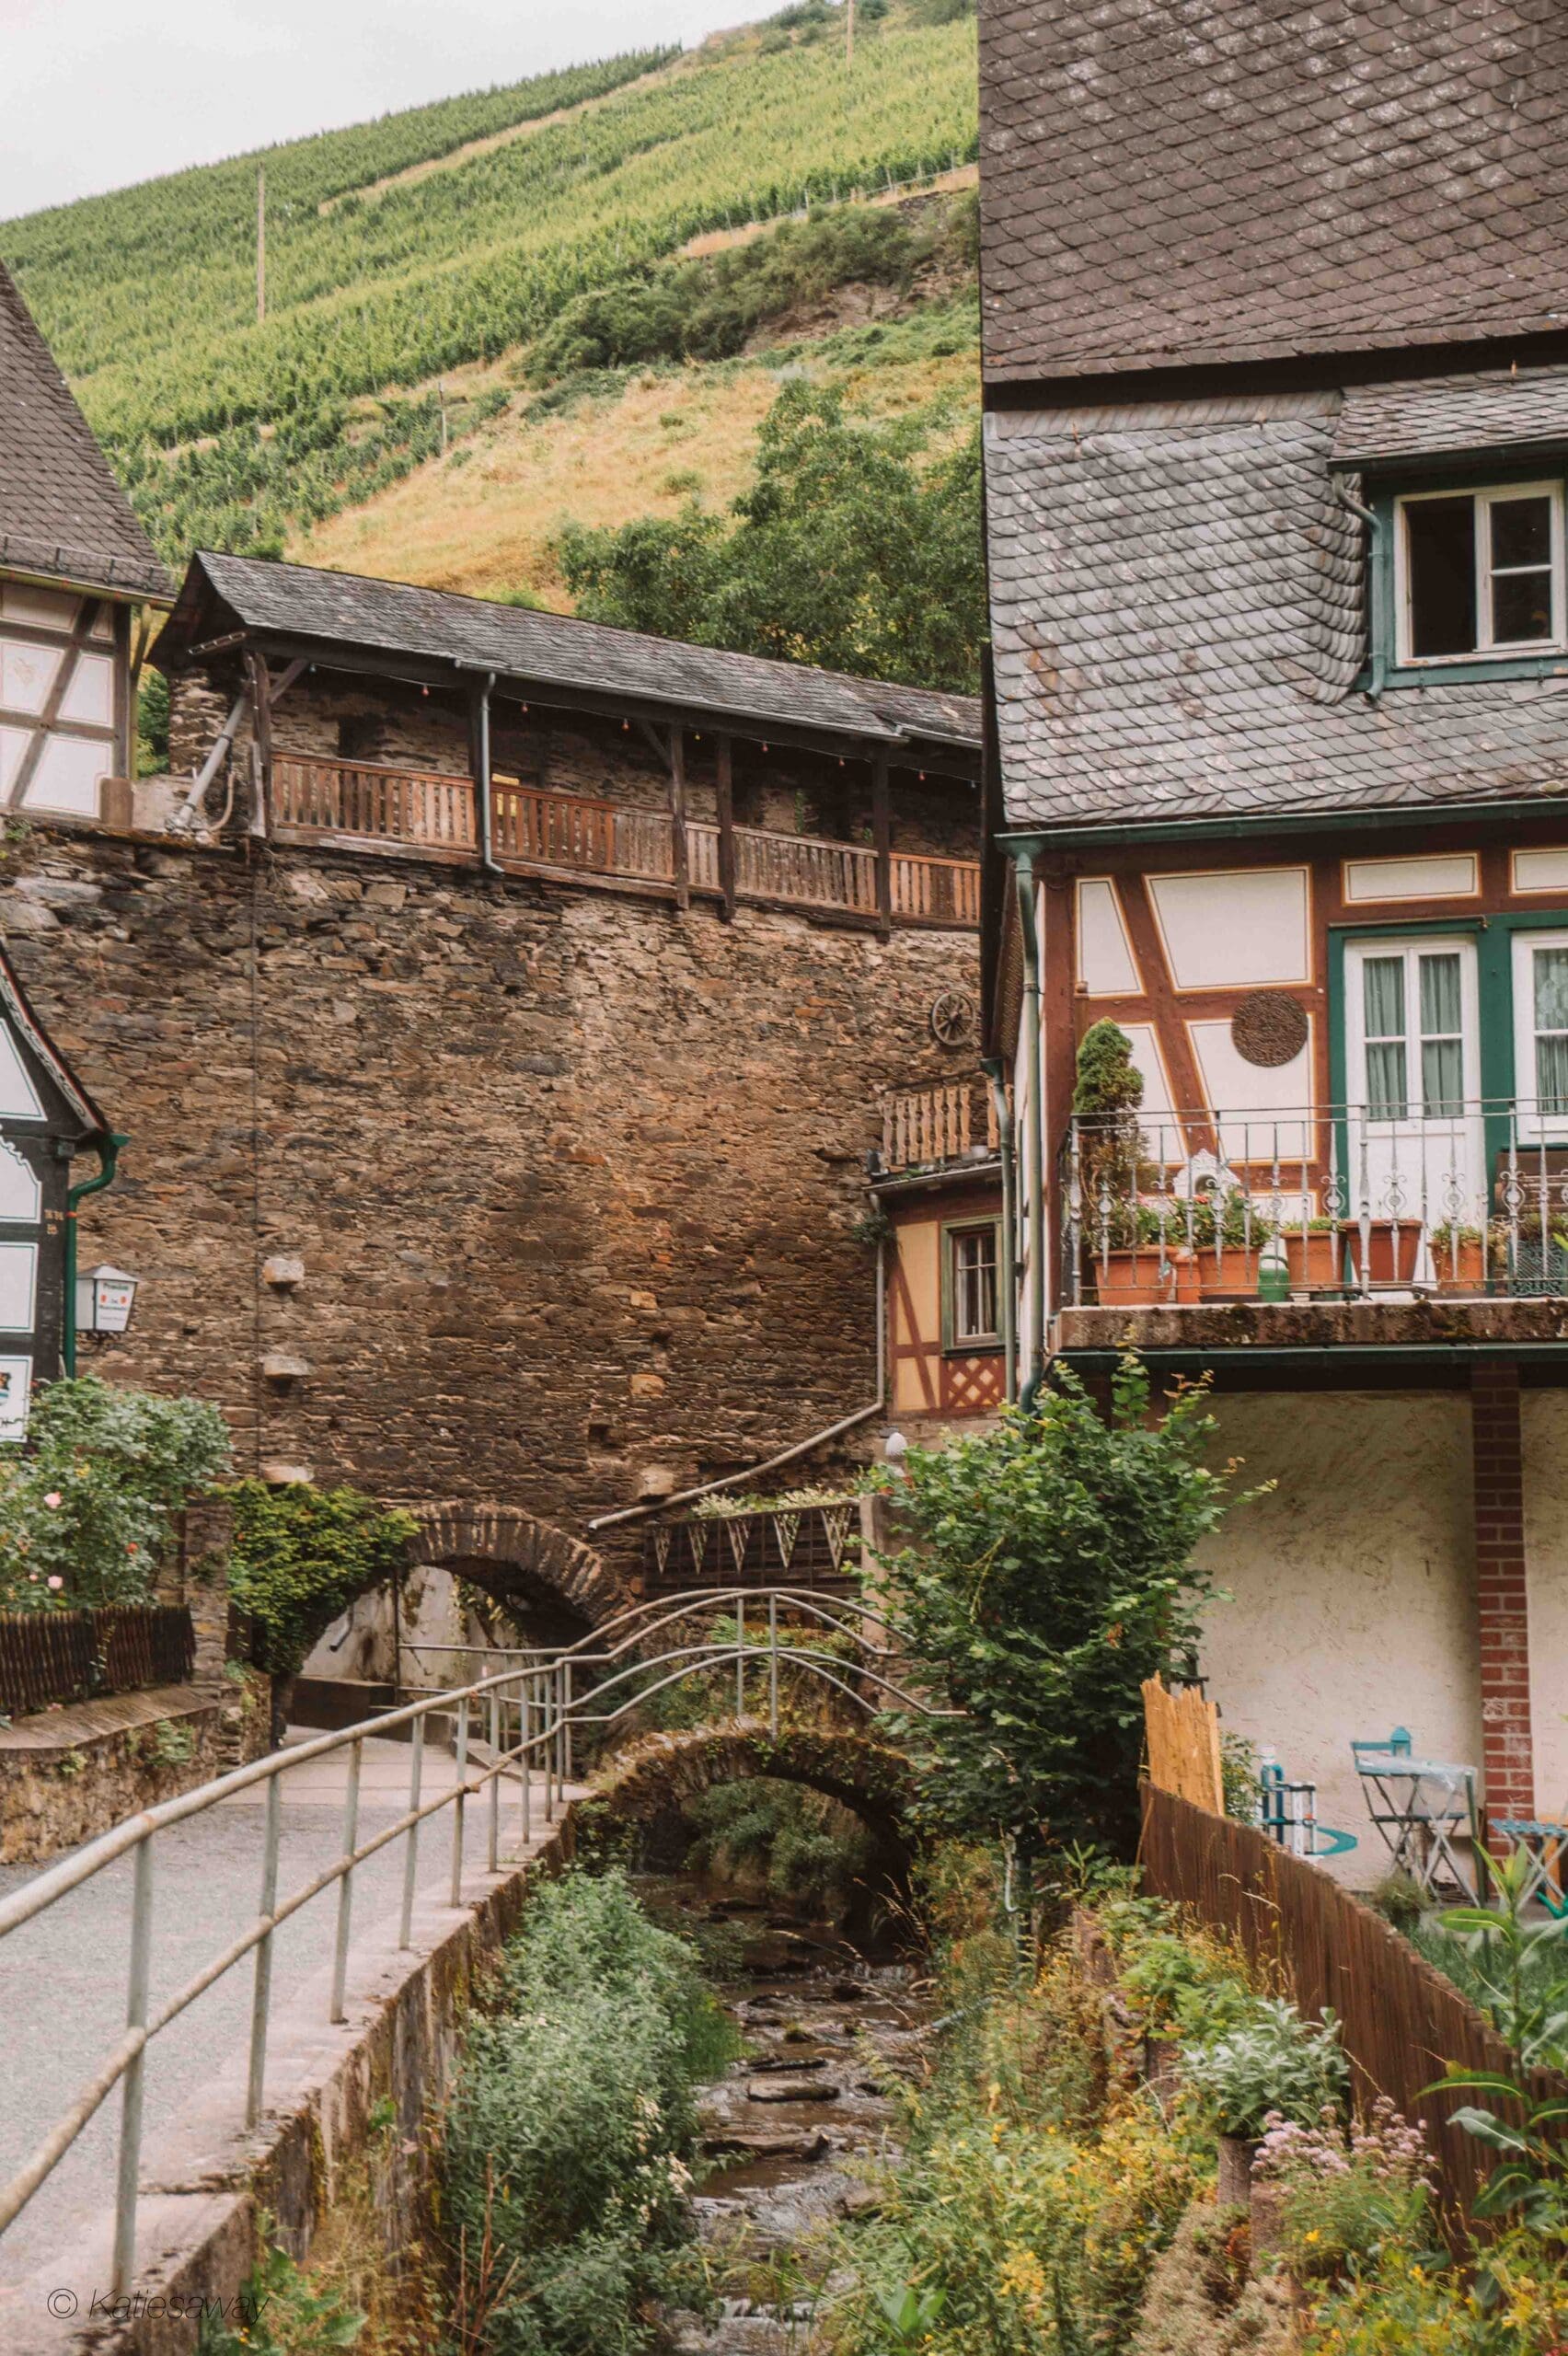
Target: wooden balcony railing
(366, 806)
(951, 1122)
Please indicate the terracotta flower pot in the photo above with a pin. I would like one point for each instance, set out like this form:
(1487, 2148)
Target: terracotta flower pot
(1130, 1280)
(1316, 1260)
(1395, 1249)
(1464, 1271)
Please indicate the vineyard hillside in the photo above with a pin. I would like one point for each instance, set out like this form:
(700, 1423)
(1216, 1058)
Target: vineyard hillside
(417, 266)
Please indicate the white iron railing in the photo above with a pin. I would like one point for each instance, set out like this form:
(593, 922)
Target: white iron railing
(1341, 1199)
(525, 1714)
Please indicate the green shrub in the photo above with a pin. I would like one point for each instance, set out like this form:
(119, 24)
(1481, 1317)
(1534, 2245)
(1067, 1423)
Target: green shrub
(1271, 2060)
(572, 2123)
(1052, 1576)
(300, 1555)
(793, 1842)
(85, 1513)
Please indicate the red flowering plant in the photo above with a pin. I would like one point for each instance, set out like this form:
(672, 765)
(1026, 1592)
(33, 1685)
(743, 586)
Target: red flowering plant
(86, 1503)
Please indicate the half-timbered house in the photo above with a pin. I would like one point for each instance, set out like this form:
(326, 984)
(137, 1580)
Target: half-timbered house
(75, 564)
(1276, 447)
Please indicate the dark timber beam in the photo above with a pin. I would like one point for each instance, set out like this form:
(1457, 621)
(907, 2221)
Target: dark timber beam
(726, 801)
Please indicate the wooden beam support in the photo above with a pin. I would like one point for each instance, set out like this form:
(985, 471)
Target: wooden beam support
(881, 834)
(679, 843)
(43, 726)
(725, 796)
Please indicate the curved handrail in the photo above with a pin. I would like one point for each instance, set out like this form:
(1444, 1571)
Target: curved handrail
(542, 1686)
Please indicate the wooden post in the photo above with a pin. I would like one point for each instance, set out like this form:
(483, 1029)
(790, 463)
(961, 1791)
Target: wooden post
(725, 795)
(261, 723)
(678, 818)
(882, 834)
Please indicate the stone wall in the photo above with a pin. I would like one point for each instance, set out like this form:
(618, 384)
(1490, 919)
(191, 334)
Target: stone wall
(69, 1775)
(570, 1181)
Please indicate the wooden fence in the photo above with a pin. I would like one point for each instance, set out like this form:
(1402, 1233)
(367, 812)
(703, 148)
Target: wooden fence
(1183, 1732)
(50, 1656)
(1402, 2021)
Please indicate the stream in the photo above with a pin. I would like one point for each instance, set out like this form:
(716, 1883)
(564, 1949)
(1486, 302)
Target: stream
(828, 2031)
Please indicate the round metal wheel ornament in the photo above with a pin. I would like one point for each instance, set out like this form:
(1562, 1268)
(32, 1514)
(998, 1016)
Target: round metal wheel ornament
(953, 1019)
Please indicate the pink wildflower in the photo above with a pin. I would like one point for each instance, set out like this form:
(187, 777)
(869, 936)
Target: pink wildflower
(53, 1498)
(55, 1581)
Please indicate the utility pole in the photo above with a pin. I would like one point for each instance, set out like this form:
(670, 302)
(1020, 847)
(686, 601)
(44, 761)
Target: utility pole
(261, 240)
(848, 32)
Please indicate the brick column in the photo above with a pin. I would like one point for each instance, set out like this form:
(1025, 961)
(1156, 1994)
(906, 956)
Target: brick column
(1507, 1749)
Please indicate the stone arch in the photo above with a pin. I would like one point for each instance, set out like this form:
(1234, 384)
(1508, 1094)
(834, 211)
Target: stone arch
(664, 1771)
(513, 1557)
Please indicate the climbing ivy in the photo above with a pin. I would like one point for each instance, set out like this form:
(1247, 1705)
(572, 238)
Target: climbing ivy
(301, 1554)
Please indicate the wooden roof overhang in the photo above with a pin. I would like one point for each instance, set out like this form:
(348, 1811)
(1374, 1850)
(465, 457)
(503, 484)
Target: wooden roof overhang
(210, 631)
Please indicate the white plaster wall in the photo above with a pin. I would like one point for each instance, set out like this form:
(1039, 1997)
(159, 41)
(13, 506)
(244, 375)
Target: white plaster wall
(359, 1644)
(1353, 1589)
(1544, 1422)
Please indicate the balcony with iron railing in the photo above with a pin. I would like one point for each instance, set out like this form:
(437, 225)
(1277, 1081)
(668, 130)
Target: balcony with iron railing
(1404, 1227)
(357, 805)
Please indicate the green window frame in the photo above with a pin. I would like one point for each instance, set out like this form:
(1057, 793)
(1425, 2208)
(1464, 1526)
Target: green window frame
(958, 1287)
(1386, 667)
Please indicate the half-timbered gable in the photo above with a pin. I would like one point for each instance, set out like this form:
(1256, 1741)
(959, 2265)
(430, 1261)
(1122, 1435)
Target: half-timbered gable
(74, 562)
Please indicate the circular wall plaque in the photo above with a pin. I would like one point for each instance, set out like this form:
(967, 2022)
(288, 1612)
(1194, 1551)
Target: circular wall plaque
(953, 1019)
(1269, 1027)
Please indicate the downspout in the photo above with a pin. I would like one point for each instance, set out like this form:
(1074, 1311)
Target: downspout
(992, 1067)
(107, 1146)
(488, 859)
(1035, 1140)
(1380, 603)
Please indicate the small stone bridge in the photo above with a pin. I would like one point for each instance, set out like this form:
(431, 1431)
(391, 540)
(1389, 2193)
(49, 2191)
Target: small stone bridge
(665, 1771)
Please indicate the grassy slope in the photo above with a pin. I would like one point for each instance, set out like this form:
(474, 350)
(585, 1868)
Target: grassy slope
(431, 245)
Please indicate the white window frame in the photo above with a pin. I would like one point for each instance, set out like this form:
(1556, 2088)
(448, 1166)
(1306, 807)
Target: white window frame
(1534, 1127)
(1486, 648)
(1411, 948)
(952, 1235)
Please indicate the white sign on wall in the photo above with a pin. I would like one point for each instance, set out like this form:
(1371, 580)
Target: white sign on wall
(16, 1393)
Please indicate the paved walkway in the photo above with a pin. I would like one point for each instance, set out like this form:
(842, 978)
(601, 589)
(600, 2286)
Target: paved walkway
(63, 1976)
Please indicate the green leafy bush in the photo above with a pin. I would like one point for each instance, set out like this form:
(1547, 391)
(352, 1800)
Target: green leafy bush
(790, 1842)
(572, 2124)
(1052, 1575)
(854, 548)
(1271, 2060)
(301, 1554)
(1349, 2194)
(86, 1512)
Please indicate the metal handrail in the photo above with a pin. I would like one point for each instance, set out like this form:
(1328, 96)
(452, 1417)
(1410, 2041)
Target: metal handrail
(549, 1703)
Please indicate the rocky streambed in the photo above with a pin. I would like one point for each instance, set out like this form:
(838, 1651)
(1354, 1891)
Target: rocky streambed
(792, 2133)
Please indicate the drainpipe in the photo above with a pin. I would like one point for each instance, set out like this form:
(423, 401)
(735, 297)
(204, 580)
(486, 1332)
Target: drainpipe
(1035, 1139)
(1381, 603)
(189, 810)
(992, 1067)
(488, 859)
(106, 1146)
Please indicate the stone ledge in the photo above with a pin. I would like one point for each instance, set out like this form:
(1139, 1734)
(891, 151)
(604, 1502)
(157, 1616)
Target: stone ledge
(67, 1775)
(1316, 1325)
(49, 1732)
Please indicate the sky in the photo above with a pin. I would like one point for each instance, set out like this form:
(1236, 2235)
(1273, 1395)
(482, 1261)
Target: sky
(95, 94)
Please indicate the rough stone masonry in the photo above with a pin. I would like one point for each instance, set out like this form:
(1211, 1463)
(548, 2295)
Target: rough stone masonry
(572, 1180)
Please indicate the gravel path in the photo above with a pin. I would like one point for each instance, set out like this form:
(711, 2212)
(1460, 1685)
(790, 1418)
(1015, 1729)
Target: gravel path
(62, 1976)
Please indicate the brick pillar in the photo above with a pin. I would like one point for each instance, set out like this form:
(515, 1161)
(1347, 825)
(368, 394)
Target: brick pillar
(1507, 1749)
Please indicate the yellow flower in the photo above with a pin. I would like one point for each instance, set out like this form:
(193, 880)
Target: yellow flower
(1021, 2276)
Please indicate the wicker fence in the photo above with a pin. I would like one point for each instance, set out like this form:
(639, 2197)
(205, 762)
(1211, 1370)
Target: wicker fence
(49, 1656)
(1401, 2020)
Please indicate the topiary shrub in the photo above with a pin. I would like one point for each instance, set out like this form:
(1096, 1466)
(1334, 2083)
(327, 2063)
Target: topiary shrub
(300, 1555)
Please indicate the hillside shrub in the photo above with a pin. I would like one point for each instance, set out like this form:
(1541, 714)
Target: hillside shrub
(707, 308)
(300, 1555)
(1272, 2063)
(571, 2126)
(85, 1510)
(854, 548)
(1051, 1574)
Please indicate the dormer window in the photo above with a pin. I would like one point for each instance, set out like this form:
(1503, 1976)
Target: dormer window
(1479, 574)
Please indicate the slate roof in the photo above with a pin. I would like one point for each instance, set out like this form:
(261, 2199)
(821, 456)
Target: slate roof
(62, 512)
(1177, 608)
(1426, 418)
(1185, 181)
(557, 649)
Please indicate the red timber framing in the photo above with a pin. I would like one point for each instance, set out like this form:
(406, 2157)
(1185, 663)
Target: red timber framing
(945, 1381)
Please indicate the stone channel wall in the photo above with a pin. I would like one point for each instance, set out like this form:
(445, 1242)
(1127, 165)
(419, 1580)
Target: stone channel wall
(466, 1190)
